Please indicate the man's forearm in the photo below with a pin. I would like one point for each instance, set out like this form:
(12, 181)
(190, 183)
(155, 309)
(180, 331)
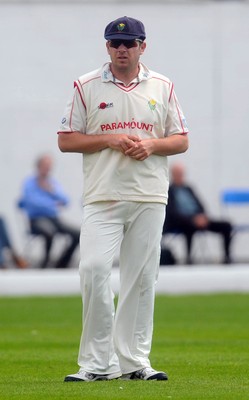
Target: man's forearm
(76, 142)
(171, 145)
(167, 146)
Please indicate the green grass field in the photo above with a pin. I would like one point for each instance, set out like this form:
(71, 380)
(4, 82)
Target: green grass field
(201, 341)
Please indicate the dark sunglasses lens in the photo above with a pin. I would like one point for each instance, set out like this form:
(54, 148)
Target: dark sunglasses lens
(131, 43)
(127, 43)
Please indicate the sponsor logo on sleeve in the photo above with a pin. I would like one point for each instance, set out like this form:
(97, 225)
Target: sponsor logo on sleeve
(184, 123)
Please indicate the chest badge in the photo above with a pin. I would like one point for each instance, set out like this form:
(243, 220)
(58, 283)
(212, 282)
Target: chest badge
(152, 104)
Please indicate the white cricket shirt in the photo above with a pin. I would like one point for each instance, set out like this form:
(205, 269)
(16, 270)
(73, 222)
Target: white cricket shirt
(148, 108)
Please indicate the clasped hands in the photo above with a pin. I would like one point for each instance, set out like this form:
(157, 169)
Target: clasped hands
(132, 146)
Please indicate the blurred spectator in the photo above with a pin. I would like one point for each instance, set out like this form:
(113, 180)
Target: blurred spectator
(42, 199)
(5, 244)
(186, 214)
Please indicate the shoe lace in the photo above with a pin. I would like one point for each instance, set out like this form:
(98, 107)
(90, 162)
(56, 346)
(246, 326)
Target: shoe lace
(145, 371)
(90, 376)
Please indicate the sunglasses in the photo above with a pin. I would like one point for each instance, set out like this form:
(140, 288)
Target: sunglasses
(127, 43)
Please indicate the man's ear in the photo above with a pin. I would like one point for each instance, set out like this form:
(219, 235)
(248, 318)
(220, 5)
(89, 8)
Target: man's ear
(107, 46)
(142, 47)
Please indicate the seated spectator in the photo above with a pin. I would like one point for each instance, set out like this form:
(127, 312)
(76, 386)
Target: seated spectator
(42, 199)
(5, 244)
(186, 214)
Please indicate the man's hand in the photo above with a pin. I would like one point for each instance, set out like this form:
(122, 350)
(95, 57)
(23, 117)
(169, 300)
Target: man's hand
(142, 150)
(200, 221)
(45, 185)
(123, 142)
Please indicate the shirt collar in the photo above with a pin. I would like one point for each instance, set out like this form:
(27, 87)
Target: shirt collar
(107, 76)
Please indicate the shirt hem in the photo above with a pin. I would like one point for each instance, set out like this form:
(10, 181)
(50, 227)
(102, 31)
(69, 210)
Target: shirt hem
(138, 199)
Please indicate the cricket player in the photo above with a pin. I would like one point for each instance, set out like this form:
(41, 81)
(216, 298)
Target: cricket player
(125, 119)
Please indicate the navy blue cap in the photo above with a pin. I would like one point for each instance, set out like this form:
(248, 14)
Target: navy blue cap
(125, 28)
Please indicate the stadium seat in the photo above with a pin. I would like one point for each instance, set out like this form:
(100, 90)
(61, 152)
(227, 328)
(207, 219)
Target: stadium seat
(173, 240)
(236, 198)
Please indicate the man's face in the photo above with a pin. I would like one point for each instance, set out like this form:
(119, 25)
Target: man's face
(125, 54)
(45, 166)
(178, 174)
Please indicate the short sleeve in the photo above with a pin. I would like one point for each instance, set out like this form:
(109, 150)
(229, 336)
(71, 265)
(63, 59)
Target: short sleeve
(74, 117)
(175, 121)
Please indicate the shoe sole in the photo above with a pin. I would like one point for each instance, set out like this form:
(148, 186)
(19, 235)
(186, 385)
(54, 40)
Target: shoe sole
(97, 378)
(157, 377)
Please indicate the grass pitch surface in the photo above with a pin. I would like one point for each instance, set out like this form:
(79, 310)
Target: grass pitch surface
(202, 342)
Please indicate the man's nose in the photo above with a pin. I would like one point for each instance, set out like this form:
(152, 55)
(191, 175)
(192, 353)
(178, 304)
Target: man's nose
(122, 47)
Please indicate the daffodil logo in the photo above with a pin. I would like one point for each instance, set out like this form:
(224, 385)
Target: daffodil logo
(152, 104)
(120, 26)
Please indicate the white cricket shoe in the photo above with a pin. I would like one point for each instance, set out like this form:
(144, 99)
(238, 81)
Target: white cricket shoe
(146, 374)
(84, 376)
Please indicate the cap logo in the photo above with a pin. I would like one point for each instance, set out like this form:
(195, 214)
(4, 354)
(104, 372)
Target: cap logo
(120, 27)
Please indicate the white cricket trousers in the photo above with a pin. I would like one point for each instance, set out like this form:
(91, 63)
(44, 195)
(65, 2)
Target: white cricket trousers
(121, 341)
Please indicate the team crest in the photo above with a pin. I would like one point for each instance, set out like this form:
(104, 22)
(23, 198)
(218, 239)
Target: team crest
(120, 26)
(152, 104)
